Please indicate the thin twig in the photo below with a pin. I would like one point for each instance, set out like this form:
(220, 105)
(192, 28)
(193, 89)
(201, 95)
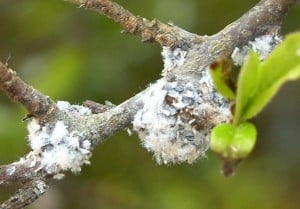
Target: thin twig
(17, 90)
(96, 107)
(149, 31)
(263, 18)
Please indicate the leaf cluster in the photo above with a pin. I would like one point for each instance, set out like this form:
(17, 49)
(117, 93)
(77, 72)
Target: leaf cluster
(257, 84)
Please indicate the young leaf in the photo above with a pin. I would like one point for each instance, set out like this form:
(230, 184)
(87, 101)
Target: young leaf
(259, 82)
(233, 141)
(247, 84)
(219, 71)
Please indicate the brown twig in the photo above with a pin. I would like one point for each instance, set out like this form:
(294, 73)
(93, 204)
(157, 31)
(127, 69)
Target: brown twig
(17, 90)
(149, 31)
(96, 107)
(266, 16)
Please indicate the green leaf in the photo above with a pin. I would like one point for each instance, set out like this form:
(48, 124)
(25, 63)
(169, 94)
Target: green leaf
(259, 82)
(247, 84)
(219, 72)
(233, 141)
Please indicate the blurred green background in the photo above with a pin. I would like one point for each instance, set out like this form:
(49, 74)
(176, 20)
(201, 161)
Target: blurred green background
(75, 54)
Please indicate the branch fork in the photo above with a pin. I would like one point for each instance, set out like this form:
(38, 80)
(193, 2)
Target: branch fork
(60, 127)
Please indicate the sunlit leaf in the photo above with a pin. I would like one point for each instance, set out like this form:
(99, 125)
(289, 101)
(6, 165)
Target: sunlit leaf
(233, 141)
(247, 84)
(259, 82)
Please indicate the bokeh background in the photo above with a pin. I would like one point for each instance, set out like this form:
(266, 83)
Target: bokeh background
(75, 54)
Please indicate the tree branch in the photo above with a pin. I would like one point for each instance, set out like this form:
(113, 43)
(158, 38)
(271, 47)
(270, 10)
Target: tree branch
(27, 194)
(80, 129)
(149, 31)
(17, 90)
(264, 18)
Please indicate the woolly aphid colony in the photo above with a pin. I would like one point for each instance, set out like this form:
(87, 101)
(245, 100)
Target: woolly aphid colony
(174, 123)
(177, 118)
(56, 147)
(262, 45)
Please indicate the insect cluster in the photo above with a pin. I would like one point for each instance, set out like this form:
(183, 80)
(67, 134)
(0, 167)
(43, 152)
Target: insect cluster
(57, 148)
(177, 118)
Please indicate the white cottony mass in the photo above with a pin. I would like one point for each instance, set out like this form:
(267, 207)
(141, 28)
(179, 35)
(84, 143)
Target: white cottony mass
(177, 118)
(57, 148)
(262, 45)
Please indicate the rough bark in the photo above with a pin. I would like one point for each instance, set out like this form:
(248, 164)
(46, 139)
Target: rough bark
(200, 51)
